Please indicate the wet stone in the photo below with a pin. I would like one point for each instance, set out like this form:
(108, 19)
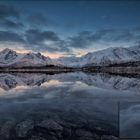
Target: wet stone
(5, 130)
(51, 125)
(86, 138)
(67, 132)
(108, 137)
(43, 138)
(81, 132)
(23, 128)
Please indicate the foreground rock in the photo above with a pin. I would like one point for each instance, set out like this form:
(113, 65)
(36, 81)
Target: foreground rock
(49, 130)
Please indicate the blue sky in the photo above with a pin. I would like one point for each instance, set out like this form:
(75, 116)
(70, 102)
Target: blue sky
(70, 27)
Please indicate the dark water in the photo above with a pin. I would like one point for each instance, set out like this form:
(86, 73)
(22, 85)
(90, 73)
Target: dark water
(67, 106)
(130, 120)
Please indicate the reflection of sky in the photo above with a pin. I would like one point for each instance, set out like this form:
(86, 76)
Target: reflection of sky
(81, 98)
(130, 119)
(72, 86)
(63, 98)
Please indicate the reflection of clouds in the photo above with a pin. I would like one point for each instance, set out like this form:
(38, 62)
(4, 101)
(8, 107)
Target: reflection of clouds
(130, 121)
(51, 83)
(104, 81)
(71, 86)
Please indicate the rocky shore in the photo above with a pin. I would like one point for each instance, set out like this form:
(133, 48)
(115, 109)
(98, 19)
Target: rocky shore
(49, 129)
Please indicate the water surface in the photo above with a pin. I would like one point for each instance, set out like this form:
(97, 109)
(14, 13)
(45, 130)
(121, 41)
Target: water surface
(79, 106)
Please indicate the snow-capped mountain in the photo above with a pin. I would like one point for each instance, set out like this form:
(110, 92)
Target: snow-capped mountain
(112, 56)
(104, 57)
(9, 57)
(69, 61)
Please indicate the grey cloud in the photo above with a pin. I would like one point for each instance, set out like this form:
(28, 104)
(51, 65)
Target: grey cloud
(39, 20)
(81, 40)
(11, 24)
(9, 17)
(113, 35)
(38, 40)
(34, 40)
(8, 11)
(10, 36)
(84, 39)
(35, 36)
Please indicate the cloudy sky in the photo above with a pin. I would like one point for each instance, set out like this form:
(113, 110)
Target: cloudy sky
(71, 27)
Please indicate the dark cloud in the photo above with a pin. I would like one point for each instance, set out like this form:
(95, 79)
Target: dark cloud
(84, 39)
(36, 36)
(114, 35)
(39, 40)
(11, 24)
(36, 40)
(45, 40)
(8, 11)
(39, 20)
(9, 17)
(10, 37)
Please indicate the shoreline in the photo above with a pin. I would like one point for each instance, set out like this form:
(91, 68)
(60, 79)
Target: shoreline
(122, 71)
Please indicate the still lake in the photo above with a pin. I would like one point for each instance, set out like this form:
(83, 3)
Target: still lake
(66, 106)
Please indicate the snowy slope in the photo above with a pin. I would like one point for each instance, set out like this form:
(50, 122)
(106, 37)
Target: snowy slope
(9, 57)
(104, 57)
(68, 61)
(112, 56)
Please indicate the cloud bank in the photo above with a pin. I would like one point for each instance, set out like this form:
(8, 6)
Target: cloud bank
(33, 32)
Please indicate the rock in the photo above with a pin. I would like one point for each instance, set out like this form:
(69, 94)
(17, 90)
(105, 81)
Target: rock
(85, 133)
(51, 125)
(37, 138)
(67, 132)
(108, 137)
(43, 138)
(23, 128)
(5, 130)
(86, 138)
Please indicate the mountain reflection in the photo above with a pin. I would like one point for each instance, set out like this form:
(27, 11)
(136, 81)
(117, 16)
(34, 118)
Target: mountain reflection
(66, 106)
(9, 81)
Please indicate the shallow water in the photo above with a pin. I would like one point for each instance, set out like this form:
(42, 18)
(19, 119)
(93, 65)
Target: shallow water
(67, 106)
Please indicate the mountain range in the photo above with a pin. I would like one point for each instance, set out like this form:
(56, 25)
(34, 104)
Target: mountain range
(10, 58)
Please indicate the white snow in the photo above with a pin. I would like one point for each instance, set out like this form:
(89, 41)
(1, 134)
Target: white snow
(9, 57)
(103, 57)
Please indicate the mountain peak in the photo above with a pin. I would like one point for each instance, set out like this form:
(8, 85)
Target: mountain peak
(7, 50)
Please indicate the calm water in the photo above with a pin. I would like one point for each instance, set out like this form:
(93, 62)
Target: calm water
(67, 106)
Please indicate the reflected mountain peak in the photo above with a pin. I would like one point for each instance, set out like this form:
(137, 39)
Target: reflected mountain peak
(9, 81)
